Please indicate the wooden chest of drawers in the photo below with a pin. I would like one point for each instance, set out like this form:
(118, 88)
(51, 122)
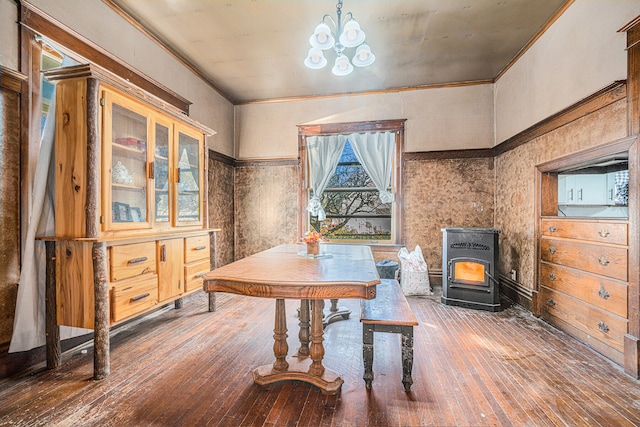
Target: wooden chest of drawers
(583, 273)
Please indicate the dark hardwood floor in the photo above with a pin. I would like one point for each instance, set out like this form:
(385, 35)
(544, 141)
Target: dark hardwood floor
(189, 367)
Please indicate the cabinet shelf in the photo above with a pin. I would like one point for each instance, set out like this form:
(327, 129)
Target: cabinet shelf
(127, 187)
(128, 149)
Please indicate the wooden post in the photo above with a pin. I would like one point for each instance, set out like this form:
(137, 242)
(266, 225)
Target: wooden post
(101, 364)
(54, 352)
(93, 158)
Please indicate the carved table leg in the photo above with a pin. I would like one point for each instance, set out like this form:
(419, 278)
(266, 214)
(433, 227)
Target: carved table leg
(367, 353)
(407, 356)
(303, 335)
(280, 346)
(335, 313)
(317, 349)
(307, 369)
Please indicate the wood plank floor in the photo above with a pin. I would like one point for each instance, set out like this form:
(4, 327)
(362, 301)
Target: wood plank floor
(189, 367)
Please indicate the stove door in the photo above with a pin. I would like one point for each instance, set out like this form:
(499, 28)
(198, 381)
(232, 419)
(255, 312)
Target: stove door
(468, 273)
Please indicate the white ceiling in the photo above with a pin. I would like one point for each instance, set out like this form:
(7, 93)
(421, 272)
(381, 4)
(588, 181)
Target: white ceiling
(254, 49)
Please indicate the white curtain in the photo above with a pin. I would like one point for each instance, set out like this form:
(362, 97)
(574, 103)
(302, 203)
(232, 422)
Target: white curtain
(375, 152)
(324, 154)
(29, 320)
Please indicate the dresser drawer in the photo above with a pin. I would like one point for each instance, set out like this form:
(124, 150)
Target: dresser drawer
(132, 260)
(196, 248)
(610, 261)
(133, 296)
(597, 324)
(604, 232)
(604, 293)
(193, 275)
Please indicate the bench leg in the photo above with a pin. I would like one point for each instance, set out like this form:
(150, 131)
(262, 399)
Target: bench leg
(407, 356)
(367, 353)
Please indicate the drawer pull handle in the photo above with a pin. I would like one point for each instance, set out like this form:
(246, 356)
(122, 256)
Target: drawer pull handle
(137, 260)
(603, 327)
(604, 232)
(602, 293)
(199, 248)
(552, 229)
(552, 276)
(139, 297)
(552, 250)
(603, 261)
(552, 303)
(201, 274)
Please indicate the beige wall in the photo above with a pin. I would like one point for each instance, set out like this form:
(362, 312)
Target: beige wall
(98, 23)
(437, 119)
(579, 54)
(9, 34)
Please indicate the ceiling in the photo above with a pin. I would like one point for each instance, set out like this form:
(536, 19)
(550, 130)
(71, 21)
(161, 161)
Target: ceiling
(253, 50)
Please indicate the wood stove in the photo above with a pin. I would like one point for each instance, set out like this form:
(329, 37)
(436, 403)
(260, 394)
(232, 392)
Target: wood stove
(469, 268)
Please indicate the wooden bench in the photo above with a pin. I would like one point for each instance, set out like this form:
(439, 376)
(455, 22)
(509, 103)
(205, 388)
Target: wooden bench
(389, 311)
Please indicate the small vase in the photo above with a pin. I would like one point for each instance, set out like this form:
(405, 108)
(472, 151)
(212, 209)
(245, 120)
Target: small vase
(313, 248)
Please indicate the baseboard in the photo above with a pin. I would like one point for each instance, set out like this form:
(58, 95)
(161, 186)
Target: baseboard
(515, 292)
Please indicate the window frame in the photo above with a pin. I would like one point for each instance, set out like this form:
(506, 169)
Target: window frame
(397, 126)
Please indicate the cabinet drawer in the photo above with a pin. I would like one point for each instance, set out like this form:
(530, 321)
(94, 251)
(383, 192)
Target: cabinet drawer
(605, 232)
(610, 261)
(196, 248)
(193, 275)
(606, 328)
(607, 294)
(132, 260)
(133, 296)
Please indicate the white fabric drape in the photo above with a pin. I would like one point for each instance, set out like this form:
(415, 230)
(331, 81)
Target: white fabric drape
(29, 320)
(324, 154)
(375, 152)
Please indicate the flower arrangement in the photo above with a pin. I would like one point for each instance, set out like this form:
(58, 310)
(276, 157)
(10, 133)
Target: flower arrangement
(313, 236)
(313, 239)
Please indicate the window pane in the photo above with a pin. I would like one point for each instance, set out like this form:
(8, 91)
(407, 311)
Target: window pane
(354, 215)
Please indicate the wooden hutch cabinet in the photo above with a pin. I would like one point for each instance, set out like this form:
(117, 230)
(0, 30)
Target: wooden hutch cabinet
(130, 197)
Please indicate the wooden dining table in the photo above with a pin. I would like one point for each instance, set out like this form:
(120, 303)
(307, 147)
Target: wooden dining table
(287, 272)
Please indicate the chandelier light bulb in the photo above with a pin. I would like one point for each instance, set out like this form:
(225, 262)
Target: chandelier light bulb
(364, 56)
(342, 67)
(315, 59)
(352, 35)
(322, 37)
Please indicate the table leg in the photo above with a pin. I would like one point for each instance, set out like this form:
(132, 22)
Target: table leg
(303, 335)
(335, 313)
(307, 369)
(317, 349)
(280, 346)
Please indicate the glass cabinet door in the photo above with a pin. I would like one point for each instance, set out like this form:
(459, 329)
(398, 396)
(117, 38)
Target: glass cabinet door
(126, 137)
(188, 178)
(161, 173)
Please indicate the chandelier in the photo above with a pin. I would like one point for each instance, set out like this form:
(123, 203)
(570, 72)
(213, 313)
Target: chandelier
(347, 35)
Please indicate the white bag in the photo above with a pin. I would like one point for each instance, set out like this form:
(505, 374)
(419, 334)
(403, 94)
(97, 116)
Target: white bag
(414, 276)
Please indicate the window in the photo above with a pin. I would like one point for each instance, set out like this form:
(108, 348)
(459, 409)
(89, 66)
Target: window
(352, 206)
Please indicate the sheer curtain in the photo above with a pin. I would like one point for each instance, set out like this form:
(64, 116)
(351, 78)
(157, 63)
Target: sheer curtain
(29, 319)
(324, 153)
(375, 152)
